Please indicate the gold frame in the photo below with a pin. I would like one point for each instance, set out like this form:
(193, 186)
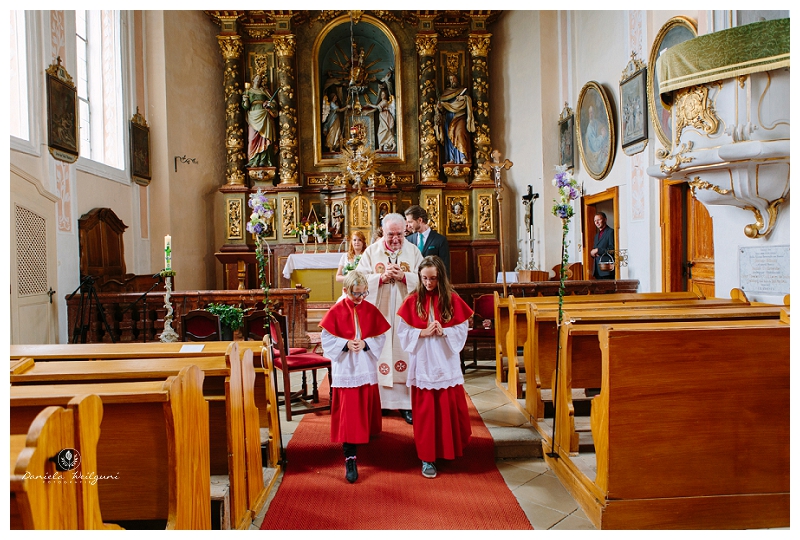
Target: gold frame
(316, 106)
(295, 202)
(593, 86)
(652, 99)
(449, 201)
(235, 219)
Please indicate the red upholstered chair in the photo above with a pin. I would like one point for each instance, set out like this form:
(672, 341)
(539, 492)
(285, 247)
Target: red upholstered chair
(200, 325)
(288, 363)
(483, 306)
(254, 328)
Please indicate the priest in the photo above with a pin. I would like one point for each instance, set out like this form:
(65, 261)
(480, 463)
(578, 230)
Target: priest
(390, 265)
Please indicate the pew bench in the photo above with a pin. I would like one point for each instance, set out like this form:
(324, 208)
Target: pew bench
(228, 391)
(153, 446)
(516, 314)
(37, 503)
(503, 317)
(540, 343)
(690, 427)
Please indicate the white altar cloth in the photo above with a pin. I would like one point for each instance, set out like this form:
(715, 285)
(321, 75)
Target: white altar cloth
(306, 261)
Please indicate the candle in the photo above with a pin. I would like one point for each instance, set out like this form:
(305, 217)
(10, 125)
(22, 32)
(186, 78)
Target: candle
(168, 252)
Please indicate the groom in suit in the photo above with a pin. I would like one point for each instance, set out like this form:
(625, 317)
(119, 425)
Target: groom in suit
(426, 239)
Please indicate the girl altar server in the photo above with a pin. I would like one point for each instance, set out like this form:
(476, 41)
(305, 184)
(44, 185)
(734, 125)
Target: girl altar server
(434, 321)
(353, 334)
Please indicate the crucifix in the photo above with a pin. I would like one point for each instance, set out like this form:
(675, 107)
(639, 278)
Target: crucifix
(529, 200)
(494, 167)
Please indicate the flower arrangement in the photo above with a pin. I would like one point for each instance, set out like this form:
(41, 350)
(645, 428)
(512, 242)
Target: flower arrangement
(568, 191)
(260, 226)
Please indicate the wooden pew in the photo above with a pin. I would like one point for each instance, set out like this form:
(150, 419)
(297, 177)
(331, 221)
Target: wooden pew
(126, 351)
(238, 487)
(512, 315)
(152, 453)
(503, 317)
(71, 504)
(690, 427)
(135, 351)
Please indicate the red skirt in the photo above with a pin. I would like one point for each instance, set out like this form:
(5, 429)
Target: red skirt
(441, 422)
(355, 414)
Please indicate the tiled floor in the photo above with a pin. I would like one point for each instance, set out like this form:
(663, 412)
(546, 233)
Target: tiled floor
(541, 496)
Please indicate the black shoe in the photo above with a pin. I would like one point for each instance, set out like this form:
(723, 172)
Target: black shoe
(352, 470)
(406, 414)
(385, 412)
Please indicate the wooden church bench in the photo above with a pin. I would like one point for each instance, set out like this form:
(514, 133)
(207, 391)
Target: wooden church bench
(126, 351)
(153, 445)
(226, 392)
(690, 427)
(74, 504)
(513, 316)
(543, 342)
(503, 317)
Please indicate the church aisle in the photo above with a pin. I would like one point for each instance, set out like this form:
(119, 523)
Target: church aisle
(545, 502)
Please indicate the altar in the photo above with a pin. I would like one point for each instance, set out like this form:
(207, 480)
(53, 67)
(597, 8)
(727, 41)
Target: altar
(316, 271)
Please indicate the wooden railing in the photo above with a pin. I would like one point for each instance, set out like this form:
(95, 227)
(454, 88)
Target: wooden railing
(468, 291)
(135, 317)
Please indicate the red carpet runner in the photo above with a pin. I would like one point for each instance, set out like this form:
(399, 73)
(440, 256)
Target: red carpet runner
(390, 494)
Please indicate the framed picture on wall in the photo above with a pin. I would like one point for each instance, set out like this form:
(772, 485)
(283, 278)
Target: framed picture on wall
(566, 137)
(595, 127)
(676, 30)
(633, 106)
(140, 149)
(62, 114)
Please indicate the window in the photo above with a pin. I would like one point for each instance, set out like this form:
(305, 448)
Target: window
(99, 82)
(18, 78)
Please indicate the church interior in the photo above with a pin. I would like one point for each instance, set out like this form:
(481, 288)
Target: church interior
(200, 176)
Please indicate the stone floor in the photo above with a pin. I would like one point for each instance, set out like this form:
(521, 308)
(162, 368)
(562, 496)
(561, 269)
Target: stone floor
(540, 494)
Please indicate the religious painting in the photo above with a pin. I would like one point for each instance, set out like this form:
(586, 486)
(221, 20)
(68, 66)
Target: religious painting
(595, 127)
(356, 77)
(62, 114)
(632, 100)
(336, 225)
(676, 30)
(271, 233)
(566, 138)
(457, 222)
(140, 150)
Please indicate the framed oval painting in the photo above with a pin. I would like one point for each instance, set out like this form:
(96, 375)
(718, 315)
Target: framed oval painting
(676, 30)
(595, 127)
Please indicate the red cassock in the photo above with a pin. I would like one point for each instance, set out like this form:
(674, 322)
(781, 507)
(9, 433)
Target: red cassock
(356, 404)
(441, 414)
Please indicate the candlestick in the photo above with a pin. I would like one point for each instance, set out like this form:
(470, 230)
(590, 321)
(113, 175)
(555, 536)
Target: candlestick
(168, 252)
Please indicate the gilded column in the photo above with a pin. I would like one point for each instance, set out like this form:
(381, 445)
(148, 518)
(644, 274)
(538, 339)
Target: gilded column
(285, 47)
(231, 47)
(479, 50)
(428, 147)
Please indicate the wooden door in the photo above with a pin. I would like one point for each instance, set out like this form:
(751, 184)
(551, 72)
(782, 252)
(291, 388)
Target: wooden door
(608, 202)
(699, 247)
(687, 235)
(33, 263)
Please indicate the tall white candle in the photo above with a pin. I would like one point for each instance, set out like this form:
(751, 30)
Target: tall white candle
(168, 252)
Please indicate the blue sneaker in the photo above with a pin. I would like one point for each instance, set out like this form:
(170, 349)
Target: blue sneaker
(428, 469)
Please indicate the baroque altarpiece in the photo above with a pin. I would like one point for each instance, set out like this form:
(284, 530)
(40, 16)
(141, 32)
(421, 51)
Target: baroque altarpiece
(341, 117)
